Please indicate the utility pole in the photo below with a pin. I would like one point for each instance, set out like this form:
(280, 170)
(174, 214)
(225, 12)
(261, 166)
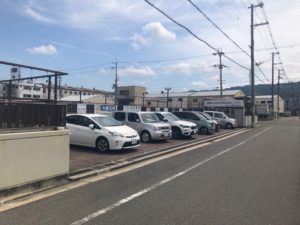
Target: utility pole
(252, 62)
(221, 66)
(273, 108)
(168, 89)
(278, 89)
(115, 86)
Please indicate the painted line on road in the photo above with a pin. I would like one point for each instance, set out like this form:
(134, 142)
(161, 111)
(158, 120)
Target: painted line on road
(162, 182)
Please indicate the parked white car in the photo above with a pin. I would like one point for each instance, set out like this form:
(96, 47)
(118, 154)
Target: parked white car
(180, 128)
(100, 131)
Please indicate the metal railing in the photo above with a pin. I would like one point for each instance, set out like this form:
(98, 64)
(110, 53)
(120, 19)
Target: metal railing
(31, 115)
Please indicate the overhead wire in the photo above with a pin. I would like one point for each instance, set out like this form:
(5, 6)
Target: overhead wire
(193, 34)
(227, 36)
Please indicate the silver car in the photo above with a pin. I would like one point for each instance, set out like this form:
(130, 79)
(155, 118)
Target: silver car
(225, 121)
(146, 124)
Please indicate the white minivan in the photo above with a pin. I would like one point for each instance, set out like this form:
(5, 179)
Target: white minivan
(100, 131)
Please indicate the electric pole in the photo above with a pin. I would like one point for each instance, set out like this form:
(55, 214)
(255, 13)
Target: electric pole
(221, 66)
(273, 108)
(278, 89)
(115, 86)
(252, 62)
(168, 89)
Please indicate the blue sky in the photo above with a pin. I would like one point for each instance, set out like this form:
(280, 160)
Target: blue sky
(85, 37)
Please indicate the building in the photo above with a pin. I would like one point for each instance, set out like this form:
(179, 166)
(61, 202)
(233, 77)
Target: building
(192, 100)
(267, 100)
(34, 90)
(131, 95)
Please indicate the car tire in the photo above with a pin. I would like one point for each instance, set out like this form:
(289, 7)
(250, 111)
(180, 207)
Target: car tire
(176, 132)
(203, 130)
(229, 126)
(145, 137)
(102, 144)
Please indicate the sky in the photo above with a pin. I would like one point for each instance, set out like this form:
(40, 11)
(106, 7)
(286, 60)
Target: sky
(85, 38)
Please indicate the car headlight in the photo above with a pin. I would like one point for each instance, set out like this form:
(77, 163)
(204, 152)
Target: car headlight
(156, 128)
(115, 134)
(184, 126)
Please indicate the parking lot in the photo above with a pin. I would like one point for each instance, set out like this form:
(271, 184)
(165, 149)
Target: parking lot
(84, 157)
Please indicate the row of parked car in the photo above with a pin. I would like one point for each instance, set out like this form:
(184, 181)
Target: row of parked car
(127, 129)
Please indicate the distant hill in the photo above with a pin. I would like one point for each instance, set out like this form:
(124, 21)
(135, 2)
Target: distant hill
(290, 92)
(287, 90)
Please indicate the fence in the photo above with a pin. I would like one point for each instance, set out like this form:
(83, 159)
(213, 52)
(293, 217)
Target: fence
(28, 115)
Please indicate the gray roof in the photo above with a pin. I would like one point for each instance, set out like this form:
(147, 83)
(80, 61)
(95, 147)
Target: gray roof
(194, 93)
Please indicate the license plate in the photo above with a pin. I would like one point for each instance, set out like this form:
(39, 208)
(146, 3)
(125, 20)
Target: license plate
(133, 141)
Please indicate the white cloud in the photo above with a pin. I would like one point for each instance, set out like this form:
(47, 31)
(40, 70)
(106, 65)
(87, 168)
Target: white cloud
(152, 32)
(157, 31)
(139, 41)
(198, 84)
(43, 50)
(187, 69)
(136, 72)
(37, 16)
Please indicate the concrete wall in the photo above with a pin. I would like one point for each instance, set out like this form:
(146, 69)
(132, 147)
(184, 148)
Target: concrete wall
(31, 156)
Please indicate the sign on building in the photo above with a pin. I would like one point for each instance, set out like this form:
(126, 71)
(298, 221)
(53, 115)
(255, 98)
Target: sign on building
(224, 103)
(132, 108)
(108, 108)
(81, 108)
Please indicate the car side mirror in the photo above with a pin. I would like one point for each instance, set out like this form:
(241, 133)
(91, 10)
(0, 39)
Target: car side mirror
(137, 120)
(165, 120)
(91, 126)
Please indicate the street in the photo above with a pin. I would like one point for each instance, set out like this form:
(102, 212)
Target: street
(251, 178)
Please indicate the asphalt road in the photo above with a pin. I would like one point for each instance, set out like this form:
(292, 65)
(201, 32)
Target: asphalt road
(251, 178)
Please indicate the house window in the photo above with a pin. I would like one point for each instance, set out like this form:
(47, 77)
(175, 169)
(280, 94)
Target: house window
(195, 100)
(66, 92)
(70, 92)
(124, 92)
(149, 103)
(27, 88)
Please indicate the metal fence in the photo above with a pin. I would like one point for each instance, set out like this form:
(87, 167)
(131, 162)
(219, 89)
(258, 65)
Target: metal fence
(29, 115)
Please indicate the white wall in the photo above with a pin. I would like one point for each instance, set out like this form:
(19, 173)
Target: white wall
(31, 156)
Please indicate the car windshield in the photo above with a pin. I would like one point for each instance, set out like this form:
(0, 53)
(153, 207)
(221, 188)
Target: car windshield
(106, 121)
(201, 116)
(149, 118)
(171, 117)
(206, 115)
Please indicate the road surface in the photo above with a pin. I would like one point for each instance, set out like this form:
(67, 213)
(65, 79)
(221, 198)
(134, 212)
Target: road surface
(251, 178)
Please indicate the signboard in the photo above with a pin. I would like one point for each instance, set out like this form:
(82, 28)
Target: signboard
(81, 108)
(224, 103)
(133, 108)
(108, 108)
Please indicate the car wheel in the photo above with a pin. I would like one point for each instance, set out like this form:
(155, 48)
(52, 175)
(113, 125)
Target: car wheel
(229, 126)
(102, 144)
(176, 133)
(146, 137)
(203, 130)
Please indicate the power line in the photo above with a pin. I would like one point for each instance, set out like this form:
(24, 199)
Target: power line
(216, 26)
(190, 32)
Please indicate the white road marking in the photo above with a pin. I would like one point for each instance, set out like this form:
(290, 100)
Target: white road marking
(152, 187)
